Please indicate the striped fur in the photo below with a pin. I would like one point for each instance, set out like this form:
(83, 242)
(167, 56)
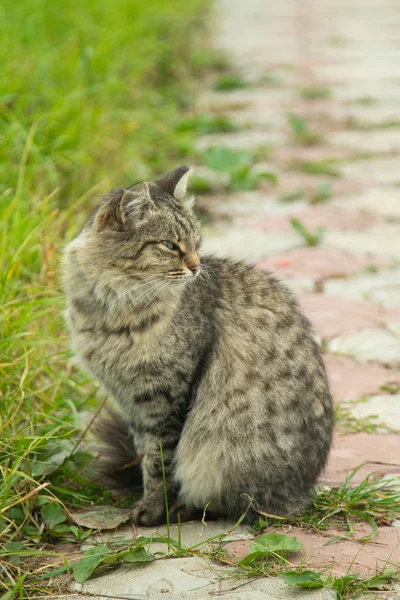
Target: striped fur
(218, 366)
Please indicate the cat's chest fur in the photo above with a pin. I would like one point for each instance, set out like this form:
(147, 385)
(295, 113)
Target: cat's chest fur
(118, 347)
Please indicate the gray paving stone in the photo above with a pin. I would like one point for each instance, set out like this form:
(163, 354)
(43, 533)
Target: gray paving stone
(189, 579)
(373, 115)
(249, 207)
(369, 344)
(383, 240)
(384, 201)
(382, 288)
(380, 140)
(243, 140)
(385, 407)
(381, 171)
(394, 478)
(247, 244)
(194, 533)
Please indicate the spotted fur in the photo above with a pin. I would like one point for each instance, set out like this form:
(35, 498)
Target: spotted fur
(217, 365)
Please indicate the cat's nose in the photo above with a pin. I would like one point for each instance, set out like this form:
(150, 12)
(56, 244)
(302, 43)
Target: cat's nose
(194, 264)
(194, 267)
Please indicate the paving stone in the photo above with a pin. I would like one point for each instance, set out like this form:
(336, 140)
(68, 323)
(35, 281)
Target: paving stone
(254, 99)
(317, 263)
(385, 407)
(377, 171)
(380, 140)
(340, 558)
(383, 240)
(372, 115)
(242, 205)
(377, 454)
(350, 380)
(243, 140)
(192, 578)
(193, 533)
(382, 201)
(246, 244)
(327, 217)
(394, 479)
(382, 288)
(369, 344)
(333, 316)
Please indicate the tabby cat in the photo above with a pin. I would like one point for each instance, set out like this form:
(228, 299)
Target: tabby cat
(207, 358)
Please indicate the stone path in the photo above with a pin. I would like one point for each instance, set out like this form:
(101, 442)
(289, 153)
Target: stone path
(335, 65)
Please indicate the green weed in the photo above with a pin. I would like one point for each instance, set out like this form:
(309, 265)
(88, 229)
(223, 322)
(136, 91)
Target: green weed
(372, 502)
(315, 93)
(328, 166)
(348, 587)
(293, 195)
(200, 185)
(365, 100)
(204, 124)
(322, 192)
(347, 423)
(86, 92)
(310, 238)
(230, 81)
(301, 132)
(237, 164)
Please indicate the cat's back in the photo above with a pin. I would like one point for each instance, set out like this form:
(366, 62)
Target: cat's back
(248, 298)
(263, 340)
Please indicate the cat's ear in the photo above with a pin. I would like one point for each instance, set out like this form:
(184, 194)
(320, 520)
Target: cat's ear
(175, 183)
(134, 203)
(124, 206)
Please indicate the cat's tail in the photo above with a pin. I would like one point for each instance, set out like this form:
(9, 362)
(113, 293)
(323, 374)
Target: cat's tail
(118, 465)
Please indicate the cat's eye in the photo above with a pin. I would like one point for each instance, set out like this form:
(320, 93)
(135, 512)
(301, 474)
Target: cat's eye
(170, 245)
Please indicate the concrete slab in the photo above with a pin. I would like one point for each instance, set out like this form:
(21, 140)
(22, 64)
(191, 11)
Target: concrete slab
(350, 380)
(383, 240)
(370, 344)
(386, 409)
(382, 287)
(334, 316)
(191, 578)
(246, 244)
(342, 557)
(377, 454)
(193, 534)
(318, 264)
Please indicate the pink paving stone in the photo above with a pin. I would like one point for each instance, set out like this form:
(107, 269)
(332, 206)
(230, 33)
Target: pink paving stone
(333, 316)
(327, 217)
(342, 557)
(379, 454)
(317, 263)
(350, 380)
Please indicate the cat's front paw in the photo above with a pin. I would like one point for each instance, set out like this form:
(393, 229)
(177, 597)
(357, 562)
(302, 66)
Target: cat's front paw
(147, 514)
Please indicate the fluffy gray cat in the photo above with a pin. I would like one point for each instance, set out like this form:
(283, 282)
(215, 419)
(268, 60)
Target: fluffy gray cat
(208, 358)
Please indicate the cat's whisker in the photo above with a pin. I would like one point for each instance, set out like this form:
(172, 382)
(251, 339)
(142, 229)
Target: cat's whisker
(157, 293)
(155, 288)
(206, 271)
(150, 280)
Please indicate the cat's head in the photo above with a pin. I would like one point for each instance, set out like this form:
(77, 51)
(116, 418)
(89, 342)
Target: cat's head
(147, 231)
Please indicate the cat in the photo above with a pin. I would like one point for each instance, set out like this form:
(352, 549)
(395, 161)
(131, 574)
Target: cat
(215, 371)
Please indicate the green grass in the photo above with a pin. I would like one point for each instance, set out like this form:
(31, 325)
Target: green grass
(347, 423)
(91, 96)
(203, 124)
(328, 166)
(315, 93)
(301, 133)
(238, 166)
(230, 81)
(373, 502)
(310, 238)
